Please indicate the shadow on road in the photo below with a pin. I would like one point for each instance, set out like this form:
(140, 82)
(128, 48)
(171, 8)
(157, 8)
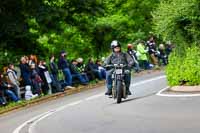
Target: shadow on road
(133, 99)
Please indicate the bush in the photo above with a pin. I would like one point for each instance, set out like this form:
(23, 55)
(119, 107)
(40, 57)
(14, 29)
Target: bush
(184, 69)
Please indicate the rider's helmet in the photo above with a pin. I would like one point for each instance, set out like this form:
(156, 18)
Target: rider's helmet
(114, 44)
(129, 46)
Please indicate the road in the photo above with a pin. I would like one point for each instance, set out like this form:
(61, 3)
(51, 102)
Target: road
(92, 112)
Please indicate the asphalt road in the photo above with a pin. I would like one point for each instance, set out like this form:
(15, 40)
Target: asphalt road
(93, 112)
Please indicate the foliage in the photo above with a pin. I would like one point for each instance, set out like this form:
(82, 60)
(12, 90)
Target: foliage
(178, 20)
(184, 69)
(79, 26)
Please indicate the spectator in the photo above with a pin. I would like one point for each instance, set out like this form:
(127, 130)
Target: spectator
(64, 65)
(25, 71)
(133, 54)
(33, 60)
(44, 74)
(2, 96)
(7, 89)
(13, 80)
(36, 81)
(28, 94)
(169, 48)
(92, 70)
(162, 56)
(101, 69)
(143, 55)
(82, 77)
(54, 75)
(151, 45)
(80, 65)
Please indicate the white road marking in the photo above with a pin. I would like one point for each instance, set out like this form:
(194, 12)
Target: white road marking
(94, 97)
(175, 95)
(146, 81)
(75, 103)
(31, 128)
(33, 121)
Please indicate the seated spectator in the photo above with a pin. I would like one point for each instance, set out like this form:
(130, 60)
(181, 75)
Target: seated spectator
(64, 65)
(13, 80)
(7, 89)
(80, 65)
(101, 69)
(92, 70)
(28, 94)
(2, 97)
(36, 81)
(82, 77)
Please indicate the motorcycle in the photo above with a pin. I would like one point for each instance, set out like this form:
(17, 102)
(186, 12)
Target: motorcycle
(119, 88)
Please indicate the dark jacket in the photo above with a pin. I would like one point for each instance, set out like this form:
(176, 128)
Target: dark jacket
(119, 58)
(152, 47)
(74, 69)
(25, 73)
(53, 68)
(91, 67)
(63, 63)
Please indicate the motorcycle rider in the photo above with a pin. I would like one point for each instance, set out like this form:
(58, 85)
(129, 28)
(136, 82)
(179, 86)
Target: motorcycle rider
(118, 57)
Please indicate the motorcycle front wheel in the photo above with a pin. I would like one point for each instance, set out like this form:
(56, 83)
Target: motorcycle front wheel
(119, 91)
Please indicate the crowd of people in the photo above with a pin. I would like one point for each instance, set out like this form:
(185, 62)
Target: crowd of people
(40, 78)
(148, 55)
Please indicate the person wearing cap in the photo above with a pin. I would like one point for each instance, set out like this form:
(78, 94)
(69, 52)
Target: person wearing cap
(118, 57)
(64, 65)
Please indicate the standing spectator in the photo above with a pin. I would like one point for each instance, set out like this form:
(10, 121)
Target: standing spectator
(33, 60)
(44, 74)
(133, 54)
(169, 48)
(143, 55)
(25, 71)
(54, 75)
(82, 77)
(151, 45)
(7, 89)
(13, 80)
(162, 56)
(64, 65)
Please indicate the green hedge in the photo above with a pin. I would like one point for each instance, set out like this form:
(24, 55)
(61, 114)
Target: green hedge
(184, 69)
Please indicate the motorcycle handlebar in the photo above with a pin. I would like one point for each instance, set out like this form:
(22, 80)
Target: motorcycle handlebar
(116, 65)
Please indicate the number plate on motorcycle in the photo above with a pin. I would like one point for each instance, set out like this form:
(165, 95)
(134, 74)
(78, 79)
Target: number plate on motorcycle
(119, 71)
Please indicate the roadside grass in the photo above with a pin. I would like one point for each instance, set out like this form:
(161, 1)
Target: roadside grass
(23, 103)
